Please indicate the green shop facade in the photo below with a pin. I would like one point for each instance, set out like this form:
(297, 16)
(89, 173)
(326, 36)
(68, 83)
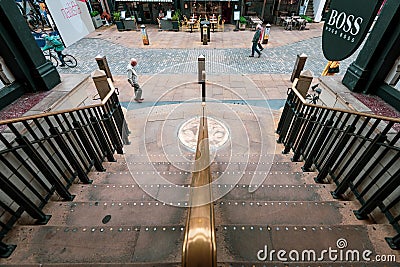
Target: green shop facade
(376, 70)
(23, 68)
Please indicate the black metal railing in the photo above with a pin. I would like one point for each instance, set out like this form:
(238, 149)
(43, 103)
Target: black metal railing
(44, 154)
(359, 152)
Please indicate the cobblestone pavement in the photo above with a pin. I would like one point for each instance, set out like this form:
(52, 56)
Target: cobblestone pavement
(274, 59)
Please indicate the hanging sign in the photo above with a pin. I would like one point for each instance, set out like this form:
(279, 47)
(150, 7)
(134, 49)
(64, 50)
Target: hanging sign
(346, 26)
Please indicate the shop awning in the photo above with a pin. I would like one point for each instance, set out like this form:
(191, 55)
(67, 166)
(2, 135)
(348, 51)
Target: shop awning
(146, 1)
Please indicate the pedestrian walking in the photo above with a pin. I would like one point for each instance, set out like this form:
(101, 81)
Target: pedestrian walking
(261, 37)
(256, 38)
(133, 80)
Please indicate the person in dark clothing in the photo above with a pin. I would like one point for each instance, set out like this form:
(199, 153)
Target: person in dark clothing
(255, 40)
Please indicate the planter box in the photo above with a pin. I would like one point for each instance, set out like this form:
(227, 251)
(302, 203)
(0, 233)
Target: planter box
(97, 21)
(175, 25)
(120, 25)
(130, 24)
(166, 24)
(242, 27)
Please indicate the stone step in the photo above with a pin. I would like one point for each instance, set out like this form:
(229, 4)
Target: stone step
(238, 244)
(131, 192)
(120, 213)
(139, 176)
(285, 212)
(242, 192)
(125, 245)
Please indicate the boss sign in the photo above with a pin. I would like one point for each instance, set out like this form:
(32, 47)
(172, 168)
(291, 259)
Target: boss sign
(346, 26)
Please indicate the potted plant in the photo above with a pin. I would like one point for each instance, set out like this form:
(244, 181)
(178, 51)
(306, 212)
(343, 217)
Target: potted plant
(96, 19)
(117, 21)
(242, 23)
(175, 20)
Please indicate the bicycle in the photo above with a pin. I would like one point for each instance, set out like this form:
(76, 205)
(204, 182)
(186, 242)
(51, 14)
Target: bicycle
(51, 56)
(313, 98)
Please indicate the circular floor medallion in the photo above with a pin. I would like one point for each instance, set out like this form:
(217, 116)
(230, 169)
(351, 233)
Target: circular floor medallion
(218, 133)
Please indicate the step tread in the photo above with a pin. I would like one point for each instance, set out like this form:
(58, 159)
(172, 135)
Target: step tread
(124, 244)
(121, 212)
(286, 212)
(133, 192)
(242, 243)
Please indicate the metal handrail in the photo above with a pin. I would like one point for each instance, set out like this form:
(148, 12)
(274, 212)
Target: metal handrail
(199, 245)
(303, 100)
(59, 112)
(54, 149)
(348, 147)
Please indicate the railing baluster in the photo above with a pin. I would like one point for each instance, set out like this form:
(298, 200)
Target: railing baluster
(98, 114)
(331, 142)
(293, 132)
(70, 156)
(359, 165)
(334, 155)
(90, 133)
(25, 163)
(317, 146)
(12, 191)
(24, 181)
(393, 242)
(45, 150)
(285, 111)
(6, 250)
(119, 115)
(288, 121)
(54, 147)
(102, 139)
(113, 133)
(304, 122)
(303, 142)
(378, 176)
(43, 167)
(378, 197)
(357, 150)
(315, 132)
(88, 146)
(80, 149)
(69, 138)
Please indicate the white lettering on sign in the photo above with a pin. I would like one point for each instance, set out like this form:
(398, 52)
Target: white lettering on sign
(346, 26)
(72, 9)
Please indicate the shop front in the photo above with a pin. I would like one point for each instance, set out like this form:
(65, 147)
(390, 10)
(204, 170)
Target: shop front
(200, 9)
(145, 11)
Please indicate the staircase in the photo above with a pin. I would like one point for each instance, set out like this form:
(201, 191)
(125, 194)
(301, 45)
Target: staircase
(310, 9)
(268, 211)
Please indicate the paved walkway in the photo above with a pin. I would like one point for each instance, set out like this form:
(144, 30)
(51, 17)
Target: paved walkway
(177, 52)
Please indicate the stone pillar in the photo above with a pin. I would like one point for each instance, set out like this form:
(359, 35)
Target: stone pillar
(304, 82)
(298, 66)
(100, 81)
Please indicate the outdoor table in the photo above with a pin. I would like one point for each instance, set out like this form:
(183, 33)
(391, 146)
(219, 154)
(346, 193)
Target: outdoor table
(213, 22)
(191, 22)
(301, 24)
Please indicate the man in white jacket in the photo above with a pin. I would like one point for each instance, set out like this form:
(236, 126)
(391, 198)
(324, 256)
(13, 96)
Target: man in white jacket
(133, 80)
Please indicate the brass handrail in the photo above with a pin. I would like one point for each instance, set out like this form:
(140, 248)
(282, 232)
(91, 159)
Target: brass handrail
(199, 245)
(46, 114)
(373, 116)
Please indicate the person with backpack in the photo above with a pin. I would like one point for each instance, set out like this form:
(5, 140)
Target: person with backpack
(53, 42)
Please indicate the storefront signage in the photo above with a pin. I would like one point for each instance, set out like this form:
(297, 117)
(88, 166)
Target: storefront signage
(346, 26)
(72, 19)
